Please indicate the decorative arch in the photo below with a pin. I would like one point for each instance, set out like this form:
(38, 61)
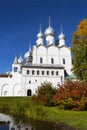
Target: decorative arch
(4, 90)
(17, 89)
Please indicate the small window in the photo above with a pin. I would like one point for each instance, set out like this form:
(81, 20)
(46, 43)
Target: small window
(42, 72)
(41, 60)
(61, 79)
(57, 73)
(37, 72)
(63, 60)
(27, 71)
(29, 82)
(15, 69)
(32, 72)
(47, 72)
(52, 61)
(52, 72)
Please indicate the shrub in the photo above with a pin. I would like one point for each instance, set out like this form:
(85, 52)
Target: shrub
(72, 95)
(44, 94)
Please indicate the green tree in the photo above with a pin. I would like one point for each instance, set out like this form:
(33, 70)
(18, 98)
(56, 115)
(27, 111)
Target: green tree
(79, 50)
(45, 94)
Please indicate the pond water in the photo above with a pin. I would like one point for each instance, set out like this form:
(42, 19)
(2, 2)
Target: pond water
(4, 127)
(33, 125)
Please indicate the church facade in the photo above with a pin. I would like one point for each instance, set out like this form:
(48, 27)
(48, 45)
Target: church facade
(49, 60)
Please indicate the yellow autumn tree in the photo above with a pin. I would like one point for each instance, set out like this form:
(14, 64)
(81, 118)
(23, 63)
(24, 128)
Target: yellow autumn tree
(79, 50)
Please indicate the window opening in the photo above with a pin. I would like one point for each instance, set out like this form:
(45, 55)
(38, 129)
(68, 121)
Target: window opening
(33, 72)
(47, 72)
(63, 60)
(52, 61)
(27, 71)
(41, 60)
(29, 92)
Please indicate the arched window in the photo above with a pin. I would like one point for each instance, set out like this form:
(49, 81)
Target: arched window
(63, 60)
(52, 61)
(47, 72)
(27, 71)
(15, 69)
(42, 72)
(37, 72)
(52, 72)
(32, 72)
(29, 92)
(41, 60)
(57, 72)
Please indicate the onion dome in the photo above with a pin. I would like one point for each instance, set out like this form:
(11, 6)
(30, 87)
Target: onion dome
(40, 34)
(27, 54)
(20, 60)
(61, 36)
(49, 30)
(16, 59)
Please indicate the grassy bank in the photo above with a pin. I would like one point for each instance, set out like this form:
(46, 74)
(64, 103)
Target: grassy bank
(25, 108)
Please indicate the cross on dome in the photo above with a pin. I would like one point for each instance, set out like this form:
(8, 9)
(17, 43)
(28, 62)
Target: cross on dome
(61, 35)
(49, 30)
(49, 22)
(40, 34)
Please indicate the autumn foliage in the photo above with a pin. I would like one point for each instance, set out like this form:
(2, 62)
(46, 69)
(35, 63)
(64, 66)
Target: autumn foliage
(45, 93)
(79, 51)
(72, 95)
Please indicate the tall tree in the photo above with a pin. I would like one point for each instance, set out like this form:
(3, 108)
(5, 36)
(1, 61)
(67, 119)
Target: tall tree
(79, 50)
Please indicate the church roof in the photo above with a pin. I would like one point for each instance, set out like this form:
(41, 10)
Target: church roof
(42, 66)
(71, 77)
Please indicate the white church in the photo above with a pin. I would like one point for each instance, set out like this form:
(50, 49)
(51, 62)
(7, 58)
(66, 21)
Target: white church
(49, 60)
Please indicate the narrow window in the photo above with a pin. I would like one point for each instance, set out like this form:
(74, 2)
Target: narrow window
(63, 60)
(15, 69)
(37, 72)
(42, 72)
(27, 71)
(32, 72)
(47, 72)
(56, 72)
(29, 82)
(52, 72)
(52, 61)
(41, 60)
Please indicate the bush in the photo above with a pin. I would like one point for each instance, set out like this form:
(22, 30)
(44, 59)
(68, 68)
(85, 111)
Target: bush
(72, 95)
(44, 94)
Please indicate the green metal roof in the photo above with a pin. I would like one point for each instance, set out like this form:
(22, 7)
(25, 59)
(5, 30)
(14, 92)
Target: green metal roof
(71, 77)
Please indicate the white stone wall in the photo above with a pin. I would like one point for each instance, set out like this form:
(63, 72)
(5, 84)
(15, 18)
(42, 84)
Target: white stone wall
(10, 86)
(30, 81)
(65, 53)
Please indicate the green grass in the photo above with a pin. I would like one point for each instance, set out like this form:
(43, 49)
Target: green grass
(77, 119)
(24, 106)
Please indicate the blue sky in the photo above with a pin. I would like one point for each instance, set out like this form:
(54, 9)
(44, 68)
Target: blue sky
(20, 22)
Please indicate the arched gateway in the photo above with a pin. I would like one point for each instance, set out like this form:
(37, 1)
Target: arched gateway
(29, 92)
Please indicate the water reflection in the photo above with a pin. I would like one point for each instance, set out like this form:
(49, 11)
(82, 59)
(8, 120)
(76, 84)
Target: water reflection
(7, 123)
(35, 125)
